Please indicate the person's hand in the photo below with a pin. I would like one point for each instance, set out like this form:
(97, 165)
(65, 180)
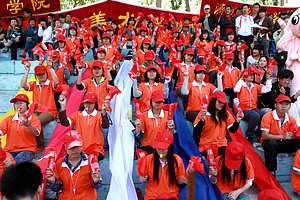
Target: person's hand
(170, 124)
(203, 114)
(105, 104)
(85, 50)
(221, 74)
(29, 39)
(234, 195)
(282, 91)
(24, 121)
(17, 39)
(269, 76)
(96, 176)
(297, 94)
(7, 162)
(182, 180)
(92, 46)
(143, 179)
(62, 101)
(138, 123)
(167, 81)
(49, 63)
(79, 68)
(242, 61)
(157, 50)
(186, 73)
(288, 136)
(27, 66)
(213, 171)
(10, 42)
(50, 176)
(239, 116)
(64, 63)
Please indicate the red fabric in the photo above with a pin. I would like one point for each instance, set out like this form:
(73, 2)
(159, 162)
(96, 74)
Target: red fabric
(263, 178)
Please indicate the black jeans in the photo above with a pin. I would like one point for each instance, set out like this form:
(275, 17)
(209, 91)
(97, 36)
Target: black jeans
(273, 147)
(249, 40)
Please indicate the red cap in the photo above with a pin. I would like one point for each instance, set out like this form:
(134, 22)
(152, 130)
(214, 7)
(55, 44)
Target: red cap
(186, 24)
(109, 27)
(149, 55)
(61, 37)
(200, 68)
(163, 139)
(151, 67)
(165, 22)
(158, 95)
(101, 49)
(146, 41)
(270, 194)
(97, 63)
(220, 42)
(106, 35)
(234, 154)
(189, 51)
(90, 97)
(166, 196)
(72, 139)
(282, 98)
(40, 69)
(73, 26)
(178, 42)
(175, 30)
(221, 96)
(22, 97)
(144, 28)
(229, 55)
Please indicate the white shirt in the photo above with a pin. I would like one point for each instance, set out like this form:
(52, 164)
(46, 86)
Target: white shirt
(46, 34)
(244, 25)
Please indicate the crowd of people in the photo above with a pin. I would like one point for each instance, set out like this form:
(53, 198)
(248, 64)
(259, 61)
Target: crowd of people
(221, 71)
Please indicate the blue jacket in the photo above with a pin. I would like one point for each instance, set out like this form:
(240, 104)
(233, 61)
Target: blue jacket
(33, 33)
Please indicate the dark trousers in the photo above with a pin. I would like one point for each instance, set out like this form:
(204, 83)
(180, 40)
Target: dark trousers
(148, 149)
(221, 151)
(230, 92)
(213, 77)
(249, 40)
(253, 117)
(191, 115)
(273, 147)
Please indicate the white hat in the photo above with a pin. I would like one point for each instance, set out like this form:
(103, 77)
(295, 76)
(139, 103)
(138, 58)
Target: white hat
(206, 6)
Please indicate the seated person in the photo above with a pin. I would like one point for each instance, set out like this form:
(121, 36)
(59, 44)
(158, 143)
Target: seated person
(281, 87)
(296, 173)
(87, 122)
(211, 125)
(74, 167)
(22, 181)
(20, 132)
(153, 120)
(275, 136)
(234, 173)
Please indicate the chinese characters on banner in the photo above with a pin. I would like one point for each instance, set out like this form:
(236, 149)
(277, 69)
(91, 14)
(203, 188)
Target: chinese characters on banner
(15, 7)
(218, 8)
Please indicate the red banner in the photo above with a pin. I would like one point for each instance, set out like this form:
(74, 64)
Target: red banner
(15, 7)
(218, 7)
(119, 11)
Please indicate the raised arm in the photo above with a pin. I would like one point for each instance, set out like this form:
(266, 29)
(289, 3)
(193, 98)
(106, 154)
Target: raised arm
(25, 77)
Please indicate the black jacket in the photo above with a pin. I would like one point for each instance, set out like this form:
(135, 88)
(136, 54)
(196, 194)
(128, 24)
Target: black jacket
(212, 21)
(225, 23)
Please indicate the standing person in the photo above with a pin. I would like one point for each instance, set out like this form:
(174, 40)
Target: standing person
(262, 34)
(164, 169)
(31, 38)
(27, 13)
(212, 124)
(255, 11)
(209, 21)
(276, 137)
(244, 27)
(73, 173)
(226, 22)
(237, 12)
(234, 173)
(45, 31)
(20, 131)
(22, 181)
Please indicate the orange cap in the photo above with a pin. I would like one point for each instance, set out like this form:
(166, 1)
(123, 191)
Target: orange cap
(72, 139)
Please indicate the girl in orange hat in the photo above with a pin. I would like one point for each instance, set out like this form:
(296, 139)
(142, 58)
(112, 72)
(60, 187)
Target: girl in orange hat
(151, 84)
(21, 131)
(163, 169)
(211, 125)
(88, 122)
(140, 54)
(73, 174)
(233, 173)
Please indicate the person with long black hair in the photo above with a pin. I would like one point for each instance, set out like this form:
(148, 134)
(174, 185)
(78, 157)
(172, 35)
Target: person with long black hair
(233, 173)
(212, 124)
(163, 168)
